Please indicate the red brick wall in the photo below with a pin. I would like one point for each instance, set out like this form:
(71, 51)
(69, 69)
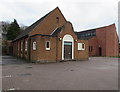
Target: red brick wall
(101, 37)
(55, 52)
(14, 50)
(33, 53)
(43, 54)
(107, 39)
(78, 55)
(94, 45)
(19, 49)
(111, 41)
(25, 52)
(68, 29)
(49, 24)
(82, 54)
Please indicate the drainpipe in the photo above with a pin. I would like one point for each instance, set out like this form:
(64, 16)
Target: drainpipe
(57, 48)
(57, 40)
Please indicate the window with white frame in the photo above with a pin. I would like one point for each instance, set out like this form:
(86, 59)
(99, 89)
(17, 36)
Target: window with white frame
(26, 45)
(47, 45)
(81, 46)
(34, 45)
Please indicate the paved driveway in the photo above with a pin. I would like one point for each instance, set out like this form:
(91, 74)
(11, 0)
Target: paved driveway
(99, 73)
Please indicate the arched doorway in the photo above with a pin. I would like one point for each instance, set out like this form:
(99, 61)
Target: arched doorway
(67, 47)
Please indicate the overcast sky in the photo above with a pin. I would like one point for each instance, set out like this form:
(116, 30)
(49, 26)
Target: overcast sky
(84, 14)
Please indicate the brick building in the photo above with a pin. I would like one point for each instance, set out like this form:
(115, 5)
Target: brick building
(102, 41)
(119, 50)
(50, 39)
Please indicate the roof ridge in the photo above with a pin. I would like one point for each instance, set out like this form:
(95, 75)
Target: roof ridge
(32, 26)
(96, 28)
(42, 17)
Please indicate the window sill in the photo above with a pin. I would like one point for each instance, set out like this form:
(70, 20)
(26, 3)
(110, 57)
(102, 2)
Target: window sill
(34, 49)
(47, 48)
(81, 50)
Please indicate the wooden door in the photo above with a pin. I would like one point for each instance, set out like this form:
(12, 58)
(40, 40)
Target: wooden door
(67, 50)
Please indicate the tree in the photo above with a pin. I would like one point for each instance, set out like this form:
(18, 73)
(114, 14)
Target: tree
(13, 30)
(5, 26)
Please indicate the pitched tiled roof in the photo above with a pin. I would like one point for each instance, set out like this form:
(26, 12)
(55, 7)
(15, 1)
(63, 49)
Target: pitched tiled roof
(30, 28)
(58, 30)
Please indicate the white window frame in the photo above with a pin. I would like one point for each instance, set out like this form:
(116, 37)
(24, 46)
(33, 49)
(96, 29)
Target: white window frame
(80, 46)
(34, 45)
(84, 46)
(67, 38)
(46, 45)
(26, 45)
